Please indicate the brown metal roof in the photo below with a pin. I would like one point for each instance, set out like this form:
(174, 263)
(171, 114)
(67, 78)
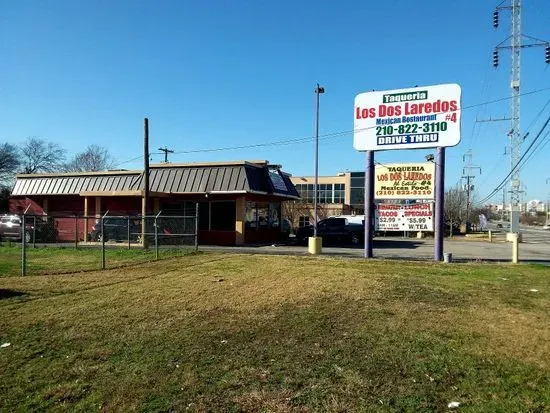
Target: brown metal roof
(72, 185)
(251, 177)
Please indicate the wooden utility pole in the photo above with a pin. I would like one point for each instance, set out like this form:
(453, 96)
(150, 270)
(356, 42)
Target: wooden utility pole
(145, 199)
(166, 152)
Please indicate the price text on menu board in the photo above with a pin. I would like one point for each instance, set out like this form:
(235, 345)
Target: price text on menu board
(421, 117)
(414, 217)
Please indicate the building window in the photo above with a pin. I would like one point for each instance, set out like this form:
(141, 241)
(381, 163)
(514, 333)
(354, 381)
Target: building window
(263, 215)
(303, 221)
(217, 216)
(325, 194)
(339, 193)
(274, 215)
(179, 208)
(310, 192)
(357, 189)
(204, 216)
(222, 216)
(251, 216)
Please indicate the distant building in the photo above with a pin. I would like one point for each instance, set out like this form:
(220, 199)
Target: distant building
(340, 194)
(535, 206)
(532, 206)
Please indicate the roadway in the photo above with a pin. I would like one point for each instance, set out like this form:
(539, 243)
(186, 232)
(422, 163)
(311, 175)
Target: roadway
(535, 235)
(463, 249)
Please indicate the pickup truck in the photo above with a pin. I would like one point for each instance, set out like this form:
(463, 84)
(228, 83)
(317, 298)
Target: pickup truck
(334, 230)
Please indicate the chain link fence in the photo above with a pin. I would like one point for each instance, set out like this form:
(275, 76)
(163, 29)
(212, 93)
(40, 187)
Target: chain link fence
(64, 243)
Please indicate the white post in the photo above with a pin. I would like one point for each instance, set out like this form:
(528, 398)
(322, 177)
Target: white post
(515, 248)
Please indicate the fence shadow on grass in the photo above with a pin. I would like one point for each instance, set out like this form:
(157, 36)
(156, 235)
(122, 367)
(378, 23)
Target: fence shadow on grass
(7, 293)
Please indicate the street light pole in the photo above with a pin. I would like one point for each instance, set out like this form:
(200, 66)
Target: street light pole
(318, 90)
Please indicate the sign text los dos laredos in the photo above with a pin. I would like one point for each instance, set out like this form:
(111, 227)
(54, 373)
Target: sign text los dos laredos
(421, 117)
(404, 181)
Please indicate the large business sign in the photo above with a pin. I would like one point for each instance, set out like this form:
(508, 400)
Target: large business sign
(412, 217)
(420, 117)
(404, 181)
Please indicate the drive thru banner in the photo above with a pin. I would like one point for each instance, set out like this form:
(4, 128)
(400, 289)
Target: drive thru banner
(412, 217)
(420, 117)
(404, 181)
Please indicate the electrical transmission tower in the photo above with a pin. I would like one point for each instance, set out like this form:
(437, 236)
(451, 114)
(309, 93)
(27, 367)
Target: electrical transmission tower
(514, 44)
(467, 175)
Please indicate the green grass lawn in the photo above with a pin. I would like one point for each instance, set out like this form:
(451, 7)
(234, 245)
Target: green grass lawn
(215, 332)
(56, 260)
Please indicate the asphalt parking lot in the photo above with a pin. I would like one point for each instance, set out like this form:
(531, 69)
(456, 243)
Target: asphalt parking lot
(462, 249)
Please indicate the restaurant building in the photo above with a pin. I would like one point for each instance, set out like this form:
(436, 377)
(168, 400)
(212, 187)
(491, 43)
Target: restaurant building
(239, 202)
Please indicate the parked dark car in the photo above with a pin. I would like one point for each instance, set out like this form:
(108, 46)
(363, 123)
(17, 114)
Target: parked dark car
(116, 229)
(334, 231)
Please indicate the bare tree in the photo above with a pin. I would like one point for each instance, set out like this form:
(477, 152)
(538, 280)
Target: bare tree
(37, 156)
(9, 161)
(293, 210)
(5, 192)
(455, 204)
(94, 158)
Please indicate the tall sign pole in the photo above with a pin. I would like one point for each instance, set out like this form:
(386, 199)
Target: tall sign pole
(369, 205)
(439, 203)
(314, 243)
(318, 91)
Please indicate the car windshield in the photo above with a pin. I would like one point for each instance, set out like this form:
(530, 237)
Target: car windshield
(116, 221)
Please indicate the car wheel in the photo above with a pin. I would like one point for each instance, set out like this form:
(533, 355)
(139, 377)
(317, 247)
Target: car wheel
(355, 239)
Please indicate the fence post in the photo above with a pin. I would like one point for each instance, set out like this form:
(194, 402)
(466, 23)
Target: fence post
(34, 232)
(102, 243)
(156, 239)
(196, 227)
(129, 232)
(75, 232)
(23, 247)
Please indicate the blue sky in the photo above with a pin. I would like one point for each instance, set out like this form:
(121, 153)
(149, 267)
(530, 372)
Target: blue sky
(212, 74)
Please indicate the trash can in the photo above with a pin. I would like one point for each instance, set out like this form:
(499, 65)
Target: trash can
(447, 257)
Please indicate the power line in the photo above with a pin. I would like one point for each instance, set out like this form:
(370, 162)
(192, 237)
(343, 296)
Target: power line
(518, 164)
(335, 134)
(289, 141)
(497, 164)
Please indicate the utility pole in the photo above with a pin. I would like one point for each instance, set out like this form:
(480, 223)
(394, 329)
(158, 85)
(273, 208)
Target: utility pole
(515, 45)
(145, 200)
(469, 178)
(503, 205)
(548, 205)
(166, 152)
